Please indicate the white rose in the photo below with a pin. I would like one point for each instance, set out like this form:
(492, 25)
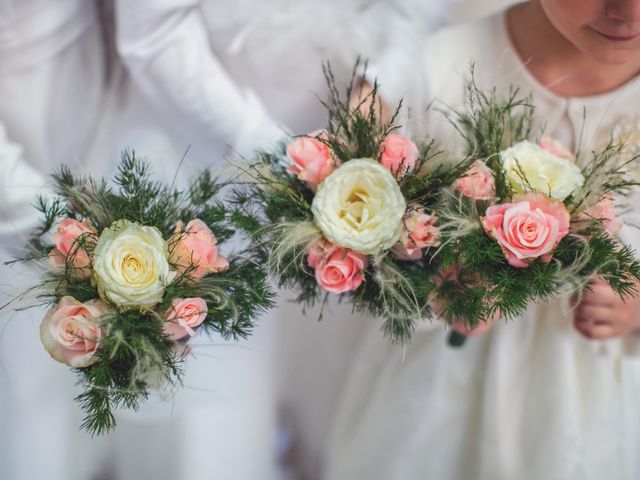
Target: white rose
(360, 206)
(131, 266)
(544, 172)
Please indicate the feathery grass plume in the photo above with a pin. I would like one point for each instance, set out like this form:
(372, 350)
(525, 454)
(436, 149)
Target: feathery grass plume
(398, 293)
(606, 171)
(289, 244)
(135, 352)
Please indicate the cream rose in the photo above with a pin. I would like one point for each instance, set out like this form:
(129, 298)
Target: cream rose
(544, 172)
(360, 206)
(131, 266)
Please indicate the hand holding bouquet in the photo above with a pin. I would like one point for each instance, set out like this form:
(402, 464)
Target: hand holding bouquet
(349, 211)
(529, 219)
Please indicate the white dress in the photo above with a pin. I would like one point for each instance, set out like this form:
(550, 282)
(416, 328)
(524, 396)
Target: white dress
(52, 81)
(532, 399)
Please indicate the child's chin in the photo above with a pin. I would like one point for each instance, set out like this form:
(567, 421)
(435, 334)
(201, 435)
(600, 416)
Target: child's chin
(608, 54)
(617, 56)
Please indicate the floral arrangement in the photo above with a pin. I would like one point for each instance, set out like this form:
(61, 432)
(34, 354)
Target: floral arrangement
(132, 274)
(528, 219)
(350, 211)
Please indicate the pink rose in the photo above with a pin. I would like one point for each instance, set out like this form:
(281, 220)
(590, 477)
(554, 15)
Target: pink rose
(183, 316)
(337, 269)
(418, 232)
(71, 332)
(318, 252)
(398, 154)
(554, 147)
(311, 160)
(67, 245)
(197, 245)
(604, 210)
(478, 183)
(529, 228)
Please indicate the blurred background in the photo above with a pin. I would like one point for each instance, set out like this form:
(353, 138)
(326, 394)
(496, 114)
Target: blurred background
(80, 80)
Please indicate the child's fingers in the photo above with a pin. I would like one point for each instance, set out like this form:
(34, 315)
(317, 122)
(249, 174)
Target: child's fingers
(595, 312)
(600, 292)
(596, 331)
(601, 295)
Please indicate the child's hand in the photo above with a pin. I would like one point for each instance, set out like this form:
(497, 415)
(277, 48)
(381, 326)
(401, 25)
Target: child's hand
(361, 99)
(602, 314)
(448, 274)
(461, 326)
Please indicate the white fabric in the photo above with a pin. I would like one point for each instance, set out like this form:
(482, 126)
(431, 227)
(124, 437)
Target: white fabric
(57, 104)
(167, 48)
(532, 399)
(51, 87)
(467, 10)
(205, 63)
(36, 30)
(20, 183)
(51, 95)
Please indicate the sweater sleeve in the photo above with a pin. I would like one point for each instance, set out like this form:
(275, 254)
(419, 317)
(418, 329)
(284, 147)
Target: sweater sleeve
(165, 45)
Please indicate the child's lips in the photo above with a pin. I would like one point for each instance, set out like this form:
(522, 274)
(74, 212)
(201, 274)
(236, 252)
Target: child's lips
(618, 38)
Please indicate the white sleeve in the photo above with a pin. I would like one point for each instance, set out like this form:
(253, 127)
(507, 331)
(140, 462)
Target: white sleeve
(393, 64)
(166, 47)
(399, 65)
(20, 183)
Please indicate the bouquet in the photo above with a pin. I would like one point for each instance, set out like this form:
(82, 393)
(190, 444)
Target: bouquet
(133, 273)
(529, 219)
(349, 210)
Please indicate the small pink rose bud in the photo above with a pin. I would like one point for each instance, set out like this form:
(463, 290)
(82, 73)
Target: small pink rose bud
(68, 246)
(398, 154)
(311, 160)
(478, 183)
(184, 316)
